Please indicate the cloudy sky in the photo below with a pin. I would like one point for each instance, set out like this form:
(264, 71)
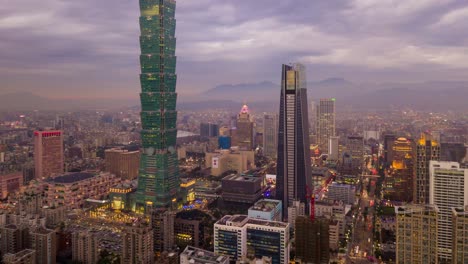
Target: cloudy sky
(89, 48)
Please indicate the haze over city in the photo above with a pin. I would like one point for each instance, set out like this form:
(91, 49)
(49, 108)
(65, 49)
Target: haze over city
(234, 132)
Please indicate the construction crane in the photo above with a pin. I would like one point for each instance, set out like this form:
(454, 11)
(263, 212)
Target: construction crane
(311, 195)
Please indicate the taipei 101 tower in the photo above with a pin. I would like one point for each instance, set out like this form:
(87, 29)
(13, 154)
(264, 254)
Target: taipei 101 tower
(158, 179)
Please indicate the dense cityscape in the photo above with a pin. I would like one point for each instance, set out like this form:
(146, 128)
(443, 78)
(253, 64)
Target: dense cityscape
(305, 180)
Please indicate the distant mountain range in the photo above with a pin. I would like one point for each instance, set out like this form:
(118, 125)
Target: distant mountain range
(264, 96)
(437, 95)
(30, 101)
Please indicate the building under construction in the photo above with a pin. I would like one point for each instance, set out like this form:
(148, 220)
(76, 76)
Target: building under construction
(312, 240)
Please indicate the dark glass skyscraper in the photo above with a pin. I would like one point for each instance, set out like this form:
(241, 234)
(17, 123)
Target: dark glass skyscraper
(158, 181)
(293, 169)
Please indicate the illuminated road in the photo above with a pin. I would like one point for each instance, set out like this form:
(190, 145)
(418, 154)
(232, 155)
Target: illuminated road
(361, 244)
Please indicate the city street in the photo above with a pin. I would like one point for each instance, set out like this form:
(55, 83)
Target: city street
(361, 245)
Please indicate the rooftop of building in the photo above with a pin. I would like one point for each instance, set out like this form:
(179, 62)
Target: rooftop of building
(122, 150)
(48, 133)
(447, 165)
(42, 231)
(20, 254)
(126, 185)
(207, 185)
(234, 150)
(341, 185)
(11, 226)
(182, 134)
(243, 178)
(7, 174)
(200, 256)
(267, 223)
(427, 139)
(320, 171)
(330, 203)
(355, 137)
(460, 211)
(242, 220)
(399, 210)
(265, 205)
(72, 177)
(253, 172)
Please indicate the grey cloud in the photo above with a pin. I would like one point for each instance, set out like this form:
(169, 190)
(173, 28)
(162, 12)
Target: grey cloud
(91, 47)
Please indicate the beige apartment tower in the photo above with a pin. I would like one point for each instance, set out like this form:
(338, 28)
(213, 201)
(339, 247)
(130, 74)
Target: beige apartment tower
(416, 234)
(85, 245)
(460, 235)
(162, 222)
(11, 239)
(44, 242)
(48, 153)
(137, 245)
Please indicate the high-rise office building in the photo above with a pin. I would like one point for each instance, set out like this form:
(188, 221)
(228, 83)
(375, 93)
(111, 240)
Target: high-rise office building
(191, 228)
(293, 169)
(460, 235)
(137, 245)
(448, 189)
(85, 247)
(44, 242)
(48, 153)
(239, 236)
(243, 136)
(427, 149)
(312, 240)
(242, 188)
(341, 192)
(325, 123)
(158, 181)
(355, 146)
(123, 163)
(416, 234)
(209, 130)
(389, 140)
(225, 160)
(270, 135)
(399, 181)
